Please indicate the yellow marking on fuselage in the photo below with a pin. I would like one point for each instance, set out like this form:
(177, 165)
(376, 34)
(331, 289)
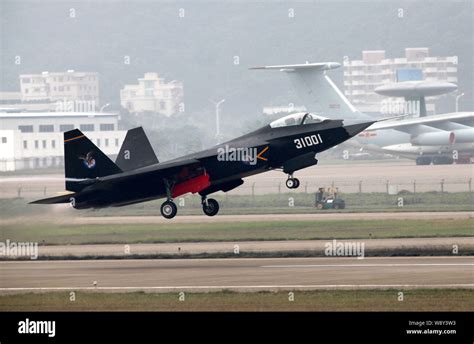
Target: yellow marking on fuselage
(263, 151)
(74, 138)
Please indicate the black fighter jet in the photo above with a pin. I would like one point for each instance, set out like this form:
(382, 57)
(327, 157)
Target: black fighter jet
(289, 144)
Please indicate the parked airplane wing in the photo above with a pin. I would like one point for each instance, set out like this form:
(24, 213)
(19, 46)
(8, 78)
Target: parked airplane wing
(302, 66)
(458, 120)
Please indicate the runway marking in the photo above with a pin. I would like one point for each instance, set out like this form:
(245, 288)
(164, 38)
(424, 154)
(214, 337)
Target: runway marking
(317, 286)
(364, 265)
(39, 261)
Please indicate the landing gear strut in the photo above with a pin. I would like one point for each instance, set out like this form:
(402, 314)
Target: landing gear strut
(210, 206)
(292, 183)
(168, 208)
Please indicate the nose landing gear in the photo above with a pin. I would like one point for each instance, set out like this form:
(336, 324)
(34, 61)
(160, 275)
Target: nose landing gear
(292, 183)
(210, 206)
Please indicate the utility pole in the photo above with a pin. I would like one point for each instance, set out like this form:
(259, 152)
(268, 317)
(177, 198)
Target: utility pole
(217, 105)
(103, 107)
(457, 101)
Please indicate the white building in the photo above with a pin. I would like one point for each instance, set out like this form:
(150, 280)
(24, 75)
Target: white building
(73, 86)
(153, 94)
(12, 101)
(35, 139)
(361, 77)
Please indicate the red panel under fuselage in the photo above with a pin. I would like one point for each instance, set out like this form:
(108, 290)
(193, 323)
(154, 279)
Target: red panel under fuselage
(193, 185)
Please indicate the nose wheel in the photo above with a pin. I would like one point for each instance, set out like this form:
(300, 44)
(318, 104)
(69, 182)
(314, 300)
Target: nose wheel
(210, 206)
(292, 183)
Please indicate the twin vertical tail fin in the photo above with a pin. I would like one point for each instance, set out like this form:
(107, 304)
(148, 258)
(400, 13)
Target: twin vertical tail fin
(136, 151)
(84, 160)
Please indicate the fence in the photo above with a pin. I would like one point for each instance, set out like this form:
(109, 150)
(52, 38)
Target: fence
(360, 186)
(29, 189)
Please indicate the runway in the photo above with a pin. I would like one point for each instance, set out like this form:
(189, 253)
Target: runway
(317, 247)
(238, 274)
(74, 219)
(275, 217)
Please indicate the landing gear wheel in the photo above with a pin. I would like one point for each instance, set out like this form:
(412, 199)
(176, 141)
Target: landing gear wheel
(169, 209)
(292, 183)
(210, 207)
(297, 183)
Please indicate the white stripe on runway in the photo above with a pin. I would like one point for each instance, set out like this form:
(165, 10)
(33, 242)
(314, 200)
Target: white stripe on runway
(364, 265)
(237, 287)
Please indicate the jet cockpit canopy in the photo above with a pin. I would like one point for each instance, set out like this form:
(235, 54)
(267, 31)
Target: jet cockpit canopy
(298, 118)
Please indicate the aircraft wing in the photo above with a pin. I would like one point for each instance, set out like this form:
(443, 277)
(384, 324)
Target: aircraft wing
(302, 66)
(54, 200)
(450, 121)
(173, 167)
(179, 169)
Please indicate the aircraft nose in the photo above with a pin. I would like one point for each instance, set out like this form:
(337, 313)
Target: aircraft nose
(354, 129)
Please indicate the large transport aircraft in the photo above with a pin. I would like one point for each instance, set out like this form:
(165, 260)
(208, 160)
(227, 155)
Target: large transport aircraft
(436, 139)
(289, 143)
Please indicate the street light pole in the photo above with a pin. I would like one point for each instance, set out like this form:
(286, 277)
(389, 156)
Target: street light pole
(457, 101)
(217, 118)
(103, 107)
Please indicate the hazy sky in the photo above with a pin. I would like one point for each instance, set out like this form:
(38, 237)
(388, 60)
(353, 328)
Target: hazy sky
(209, 45)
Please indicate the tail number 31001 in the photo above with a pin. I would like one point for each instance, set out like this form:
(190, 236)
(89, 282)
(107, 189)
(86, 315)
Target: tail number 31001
(308, 141)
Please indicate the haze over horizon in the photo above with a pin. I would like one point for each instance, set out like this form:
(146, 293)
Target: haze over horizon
(198, 43)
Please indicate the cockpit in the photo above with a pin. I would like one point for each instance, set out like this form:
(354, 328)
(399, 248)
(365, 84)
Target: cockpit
(299, 118)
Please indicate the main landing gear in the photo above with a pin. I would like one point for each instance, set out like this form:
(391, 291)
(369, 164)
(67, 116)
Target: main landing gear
(292, 183)
(210, 206)
(169, 209)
